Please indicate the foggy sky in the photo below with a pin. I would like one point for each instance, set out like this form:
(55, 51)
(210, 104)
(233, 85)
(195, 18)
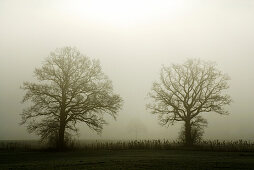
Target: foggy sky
(132, 40)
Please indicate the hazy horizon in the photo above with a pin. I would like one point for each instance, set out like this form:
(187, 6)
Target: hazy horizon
(132, 40)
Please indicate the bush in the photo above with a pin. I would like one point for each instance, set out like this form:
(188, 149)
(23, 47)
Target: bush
(52, 141)
(197, 130)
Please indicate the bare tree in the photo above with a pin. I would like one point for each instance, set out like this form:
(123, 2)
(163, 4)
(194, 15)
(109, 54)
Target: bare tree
(187, 90)
(71, 89)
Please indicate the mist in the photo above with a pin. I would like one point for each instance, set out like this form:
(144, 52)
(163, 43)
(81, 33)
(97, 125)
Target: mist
(132, 40)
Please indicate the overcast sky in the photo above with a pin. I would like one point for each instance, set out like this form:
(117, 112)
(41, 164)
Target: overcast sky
(132, 39)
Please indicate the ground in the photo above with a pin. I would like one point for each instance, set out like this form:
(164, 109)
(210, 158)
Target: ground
(127, 159)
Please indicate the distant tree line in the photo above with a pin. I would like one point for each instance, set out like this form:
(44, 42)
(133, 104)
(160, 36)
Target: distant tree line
(72, 88)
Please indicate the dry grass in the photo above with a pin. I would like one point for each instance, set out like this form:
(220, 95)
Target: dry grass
(207, 145)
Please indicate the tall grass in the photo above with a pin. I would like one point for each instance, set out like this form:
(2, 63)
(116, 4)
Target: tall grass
(13, 145)
(207, 145)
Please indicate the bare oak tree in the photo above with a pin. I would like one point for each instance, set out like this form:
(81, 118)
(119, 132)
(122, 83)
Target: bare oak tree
(71, 89)
(187, 90)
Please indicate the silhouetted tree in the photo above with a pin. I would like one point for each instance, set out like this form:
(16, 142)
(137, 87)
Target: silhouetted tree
(71, 89)
(187, 90)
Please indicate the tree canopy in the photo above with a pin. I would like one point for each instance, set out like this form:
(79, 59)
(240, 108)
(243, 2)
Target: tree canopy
(187, 90)
(71, 88)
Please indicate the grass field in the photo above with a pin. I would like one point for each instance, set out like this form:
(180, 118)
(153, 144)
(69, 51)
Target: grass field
(132, 154)
(127, 159)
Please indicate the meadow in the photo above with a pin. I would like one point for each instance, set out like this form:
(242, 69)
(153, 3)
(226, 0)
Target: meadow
(131, 154)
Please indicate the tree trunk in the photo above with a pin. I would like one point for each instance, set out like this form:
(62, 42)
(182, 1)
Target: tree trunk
(188, 140)
(61, 142)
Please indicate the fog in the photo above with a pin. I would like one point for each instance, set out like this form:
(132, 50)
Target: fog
(132, 40)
